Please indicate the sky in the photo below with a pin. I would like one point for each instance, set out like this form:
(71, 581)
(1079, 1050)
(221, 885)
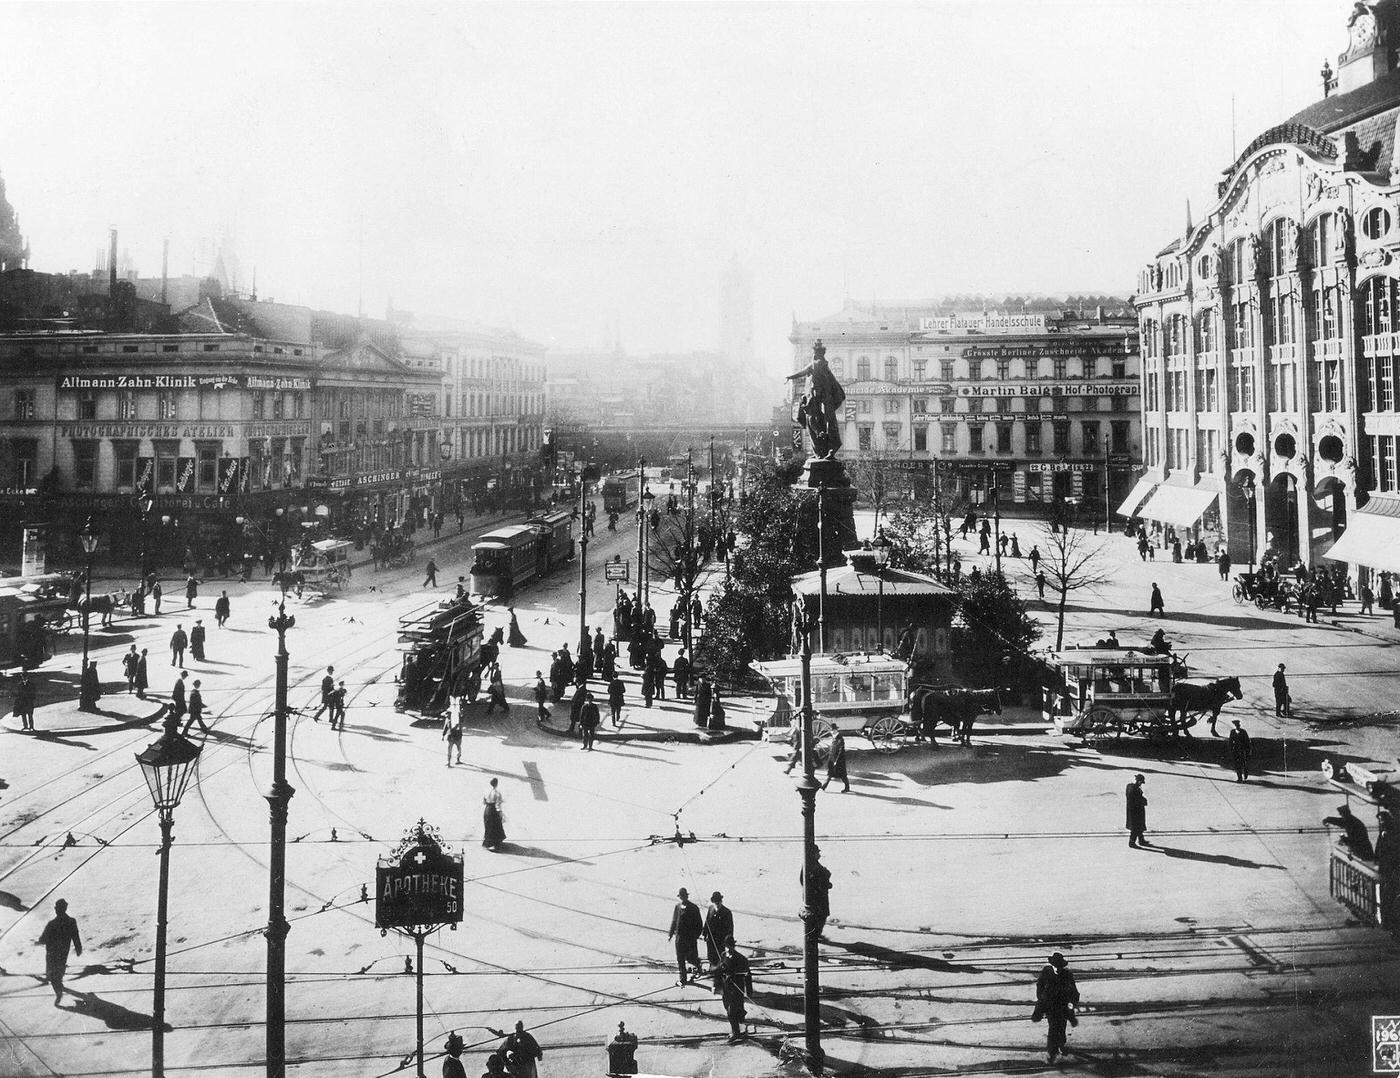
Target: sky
(564, 168)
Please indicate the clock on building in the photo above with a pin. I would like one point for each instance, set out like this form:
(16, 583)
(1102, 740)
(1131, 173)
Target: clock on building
(1363, 31)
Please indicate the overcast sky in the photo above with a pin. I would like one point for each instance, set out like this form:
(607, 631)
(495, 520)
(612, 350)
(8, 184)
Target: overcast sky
(549, 167)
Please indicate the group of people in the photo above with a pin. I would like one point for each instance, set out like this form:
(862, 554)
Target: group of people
(727, 969)
(517, 1057)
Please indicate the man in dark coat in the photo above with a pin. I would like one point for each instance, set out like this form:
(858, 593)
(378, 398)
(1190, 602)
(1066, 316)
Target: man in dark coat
(719, 926)
(59, 934)
(89, 687)
(584, 665)
(1355, 838)
(685, 930)
(821, 897)
(736, 986)
(557, 680)
(1238, 745)
(1155, 604)
(617, 692)
(1281, 691)
(178, 642)
(25, 698)
(1137, 812)
(701, 714)
(1055, 997)
(177, 695)
(580, 698)
(836, 763)
(659, 670)
(680, 670)
(648, 683)
(541, 697)
(129, 663)
(196, 710)
(327, 688)
(522, 1053)
(143, 680)
(221, 609)
(588, 720)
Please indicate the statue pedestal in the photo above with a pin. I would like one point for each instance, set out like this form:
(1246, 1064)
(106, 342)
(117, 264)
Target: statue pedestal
(838, 506)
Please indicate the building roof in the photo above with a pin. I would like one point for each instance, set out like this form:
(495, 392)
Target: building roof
(1341, 110)
(848, 581)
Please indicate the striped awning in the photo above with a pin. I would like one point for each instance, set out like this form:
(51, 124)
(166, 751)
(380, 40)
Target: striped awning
(1370, 540)
(1136, 497)
(1179, 506)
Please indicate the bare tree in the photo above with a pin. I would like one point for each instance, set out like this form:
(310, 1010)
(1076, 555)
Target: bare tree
(878, 478)
(1071, 561)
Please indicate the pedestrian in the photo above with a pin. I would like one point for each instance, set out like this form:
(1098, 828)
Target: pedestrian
(452, 1065)
(1281, 701)
(195, 708)
(59, 934)
(143, 681)
(177, 696)
(600, 648)
(1040, 583)
(648, 683)
(986, 543)
(337, 707)
(584, 665)
(588, 719)
(452, 733)
(1015, 546)
(685, 930)
(327, 688)
(701, 713)
(1238, 744)
(129, 663)
(1142, 545)
(191, 592)
(1137, 812)
(716, 722)
(1355, 837)
(719, 926)
(736, 986)
(1035, 558)
(430, 580)
(197, 634)
(1176, 550)
(557, 680)
(493, 818)
(515, 638)
(178, 642)
(1368, 599)
(496, 691)
(155, 596)
(836, 763)
(1223, 561)
(1156, 606)
(89, 687)
(522, 1052)
(221, 609)
(541, 697)
(25, 696)
(794, 737)
(576, 703)
(617, 692)
(1056, 995)
(659, 673)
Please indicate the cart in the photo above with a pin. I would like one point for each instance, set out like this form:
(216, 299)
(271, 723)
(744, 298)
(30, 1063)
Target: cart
(1264, 593)
(322, 565)
(393, 551)
(1101, 693)
(856, 694)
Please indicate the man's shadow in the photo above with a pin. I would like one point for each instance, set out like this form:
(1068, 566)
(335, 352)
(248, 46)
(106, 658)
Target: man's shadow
(112, 1015)
(1210, 858)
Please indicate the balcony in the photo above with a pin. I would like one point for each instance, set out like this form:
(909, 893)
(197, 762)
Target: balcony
(1283, 353)
(1356, 884)
(1371, 343)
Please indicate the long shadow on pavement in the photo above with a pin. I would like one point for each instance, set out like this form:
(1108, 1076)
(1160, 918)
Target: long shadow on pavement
(1210, 858)
(112, 1015)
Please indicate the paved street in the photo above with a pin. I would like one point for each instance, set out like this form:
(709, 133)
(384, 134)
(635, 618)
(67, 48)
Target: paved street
(955, 873)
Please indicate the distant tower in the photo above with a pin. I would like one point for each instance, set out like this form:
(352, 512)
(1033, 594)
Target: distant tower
(736, 314)
(12, 250)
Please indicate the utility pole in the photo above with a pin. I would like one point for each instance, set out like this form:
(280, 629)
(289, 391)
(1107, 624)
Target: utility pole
(712, 484)
(821, 567)
(807, 791)
(641, 529)
(278, 799)
(1107, 507)
(692, 570)
(996, 520)
(582, 562)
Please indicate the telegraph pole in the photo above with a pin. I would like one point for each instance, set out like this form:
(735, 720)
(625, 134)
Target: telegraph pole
(278, 799)
(582, 561)
(641, 529)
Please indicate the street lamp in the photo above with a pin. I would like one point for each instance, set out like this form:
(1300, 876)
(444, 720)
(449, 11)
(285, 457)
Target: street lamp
(993, 493)
(166, 765)
(88, 537)
(1247, 492)
(881, 546)
(641, 528)
(582, 563)
(145, 503)
(278, 798)
(644, 511)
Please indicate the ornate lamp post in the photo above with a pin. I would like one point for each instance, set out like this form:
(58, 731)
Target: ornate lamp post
(167, 765)
(1247, 492)
(145, 503)
(641, 529)
(881, 546)
(278, 799)
(644, 504)
(88, 537)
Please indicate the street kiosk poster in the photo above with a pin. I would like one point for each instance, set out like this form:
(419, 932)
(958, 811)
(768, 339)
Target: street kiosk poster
(419, 883)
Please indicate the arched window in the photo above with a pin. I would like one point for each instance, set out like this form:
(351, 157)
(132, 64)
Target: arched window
(1278, 247)
(1176, 335)
(863, 369)
(1321, 235)
(1378, 308)
(1208, 331)
(1237, 261)
(1151, 340)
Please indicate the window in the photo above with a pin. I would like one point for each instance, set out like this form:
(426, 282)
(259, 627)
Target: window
(24, 453)
(1118, 402)
(170, 348)
(1061, 432)
(207, 459)
(1378, 308)
(1091, 366)
(279, 405)
(1237, 261)
(1060, 367)
(1280, 328)
(974, 369)
(259, 405)
(85, 463)
(920, 405)
(1320, 237)
(165, 404)
(1032, 368)
(1003, 369)
(1120, 367)
(1206, 456)
(863, 405)
(863, 369)
(24, 404)
(920, 439)
(126, 404)
(891, 369)
(344, 404)
(167, 453)
(1033, 438)
(863, 435)
(949, 438)
(1207, 400)
(892, 406)
(294, 459)
(1207, 332)
(947, 370)
(945, 405)
(211, 347)
(974, 404)
(1242, 318)
(1278, 243)
(1243, 387)
(1003, 437)
(920, 370)
(1376, 224)
(974, 438)
(1001, 404)
(892, 435)
(1120, 436)
(87, 404)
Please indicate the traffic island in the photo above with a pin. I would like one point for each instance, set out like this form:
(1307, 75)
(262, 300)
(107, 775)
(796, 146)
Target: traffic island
(115, 712)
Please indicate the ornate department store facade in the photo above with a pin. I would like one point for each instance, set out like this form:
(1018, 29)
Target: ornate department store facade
(1270, 335)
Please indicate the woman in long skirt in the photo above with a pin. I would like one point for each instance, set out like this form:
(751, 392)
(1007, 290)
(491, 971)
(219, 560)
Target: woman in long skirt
(492, 820)
(516, 639)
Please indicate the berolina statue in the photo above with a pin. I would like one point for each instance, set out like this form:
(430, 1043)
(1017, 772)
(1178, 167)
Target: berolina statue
(818, 408)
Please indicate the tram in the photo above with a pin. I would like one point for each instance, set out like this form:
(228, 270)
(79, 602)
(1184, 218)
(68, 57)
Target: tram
(621, 491)
(510, 557)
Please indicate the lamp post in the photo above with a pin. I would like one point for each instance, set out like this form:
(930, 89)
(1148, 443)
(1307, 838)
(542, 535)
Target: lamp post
(145, 503)
(1247, 492)
(278, 799)
(88, 537)
(647, 536)
(582, 562)
(807, 791)
(881, 547)
(996, 521)
(167, 765)
(641, 528)
(692, 569)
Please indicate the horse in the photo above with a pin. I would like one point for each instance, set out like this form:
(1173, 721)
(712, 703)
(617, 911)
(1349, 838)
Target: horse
(1188, 699)
(104, 605)
(957, 709)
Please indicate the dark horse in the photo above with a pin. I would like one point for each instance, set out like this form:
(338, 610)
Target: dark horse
(1188, 699)
(955, 708)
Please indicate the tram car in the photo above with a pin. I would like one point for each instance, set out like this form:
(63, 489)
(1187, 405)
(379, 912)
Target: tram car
(441, 645)
(1097, 693)
(621, 491)
(510, 557)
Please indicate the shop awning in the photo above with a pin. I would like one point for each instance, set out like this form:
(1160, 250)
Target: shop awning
(1178, 506)
(1136, 498)
(1370, 540)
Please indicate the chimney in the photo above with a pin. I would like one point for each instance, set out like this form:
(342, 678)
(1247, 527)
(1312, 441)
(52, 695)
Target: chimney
(164, 270)
(1100, 313)
(112, 265)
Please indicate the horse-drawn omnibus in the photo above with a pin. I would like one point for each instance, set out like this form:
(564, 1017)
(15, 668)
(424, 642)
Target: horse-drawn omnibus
(441, 645)
(322, 565)
(1097, 693)
(33, 610)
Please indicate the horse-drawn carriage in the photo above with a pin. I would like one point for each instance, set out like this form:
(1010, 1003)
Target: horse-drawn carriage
(1264, 591)
(321, 565)
(393, 551)
(869, 695)
(1098, 693)
(34, 611)
(441, 644)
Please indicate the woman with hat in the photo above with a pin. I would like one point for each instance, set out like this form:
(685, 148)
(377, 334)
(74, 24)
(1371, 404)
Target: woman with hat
(452, 1065)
